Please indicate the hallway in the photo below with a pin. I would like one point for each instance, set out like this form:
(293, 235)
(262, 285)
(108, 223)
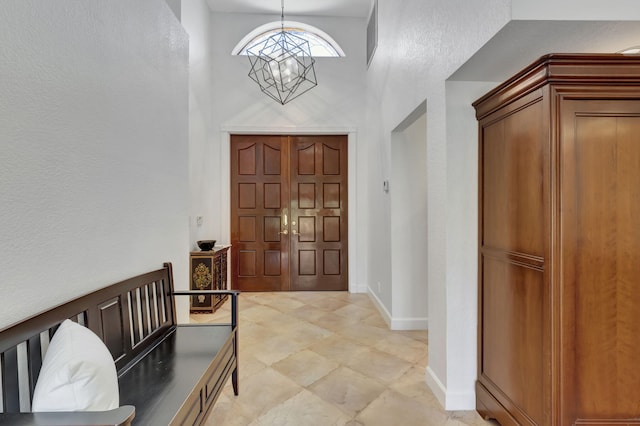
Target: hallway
(327, 358)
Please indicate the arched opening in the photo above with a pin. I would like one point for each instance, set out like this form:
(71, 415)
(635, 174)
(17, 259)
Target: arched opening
(320, 43)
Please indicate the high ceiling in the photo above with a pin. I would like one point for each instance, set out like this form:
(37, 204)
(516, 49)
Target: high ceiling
(516, 45)
(520, 43)
(350, 8)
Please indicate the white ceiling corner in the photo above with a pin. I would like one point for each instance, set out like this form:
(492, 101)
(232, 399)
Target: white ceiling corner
(522, 42)
(342, 8)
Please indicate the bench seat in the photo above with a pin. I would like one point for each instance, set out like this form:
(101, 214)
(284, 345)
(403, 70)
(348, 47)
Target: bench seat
(177, 377)
(122, 415)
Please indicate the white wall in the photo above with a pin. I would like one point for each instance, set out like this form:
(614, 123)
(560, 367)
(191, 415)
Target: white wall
(336, 105)
(462, 240)
(93, 154)
(408, 192)
(196, 20)
(420, 44)
(576, 10)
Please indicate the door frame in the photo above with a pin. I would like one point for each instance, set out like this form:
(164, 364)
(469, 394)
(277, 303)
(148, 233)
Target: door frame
(225, 183)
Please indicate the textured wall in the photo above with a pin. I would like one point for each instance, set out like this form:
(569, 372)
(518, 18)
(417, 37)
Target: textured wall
(196, 21)
(93, 147)
(408, 192)
(420, 44)
(576, 10)
(462, 239)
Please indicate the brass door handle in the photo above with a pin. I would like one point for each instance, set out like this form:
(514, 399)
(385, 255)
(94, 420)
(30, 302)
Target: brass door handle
(284, 231)
(294, 232)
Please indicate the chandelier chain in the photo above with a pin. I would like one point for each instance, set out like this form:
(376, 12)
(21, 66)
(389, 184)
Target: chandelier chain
(282, 15)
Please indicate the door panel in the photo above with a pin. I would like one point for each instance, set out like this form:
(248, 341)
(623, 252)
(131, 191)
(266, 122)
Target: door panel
(259, 190)
(289, 212)
(319, 210)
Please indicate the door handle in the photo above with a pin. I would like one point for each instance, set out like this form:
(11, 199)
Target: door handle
(284, 231)
(285, 220)
(294, 232)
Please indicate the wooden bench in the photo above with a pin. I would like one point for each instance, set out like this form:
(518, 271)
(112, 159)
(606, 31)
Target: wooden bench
(167, 373)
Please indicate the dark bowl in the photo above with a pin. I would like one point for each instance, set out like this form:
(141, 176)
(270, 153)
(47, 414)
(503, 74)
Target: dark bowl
(206, 245)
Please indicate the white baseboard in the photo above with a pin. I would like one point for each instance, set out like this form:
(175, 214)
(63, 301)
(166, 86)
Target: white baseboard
(397, 323)
(409, 323)
(436, 386)
(386, 316)
(450, 400)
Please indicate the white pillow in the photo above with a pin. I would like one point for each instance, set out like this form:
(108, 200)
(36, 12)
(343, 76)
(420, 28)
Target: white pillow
(78, 373)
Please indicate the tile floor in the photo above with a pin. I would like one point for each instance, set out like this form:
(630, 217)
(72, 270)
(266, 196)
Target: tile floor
(327, 358)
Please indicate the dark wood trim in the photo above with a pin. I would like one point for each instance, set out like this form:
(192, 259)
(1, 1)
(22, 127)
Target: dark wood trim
(490, 408)
(515, 258)
(561, 69)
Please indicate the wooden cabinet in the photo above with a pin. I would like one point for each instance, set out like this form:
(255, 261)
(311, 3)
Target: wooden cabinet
(559, 249)
(208, 272)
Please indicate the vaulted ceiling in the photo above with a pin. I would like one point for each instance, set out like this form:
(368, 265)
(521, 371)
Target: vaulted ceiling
(519, 43)
(351, 8)
(516, 45)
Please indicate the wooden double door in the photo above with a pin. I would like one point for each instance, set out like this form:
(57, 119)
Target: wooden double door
(289, 212)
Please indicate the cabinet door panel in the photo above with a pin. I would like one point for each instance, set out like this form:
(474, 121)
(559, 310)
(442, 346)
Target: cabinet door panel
(600, 246)
(512, 150)
(514, 325)
(512, 334)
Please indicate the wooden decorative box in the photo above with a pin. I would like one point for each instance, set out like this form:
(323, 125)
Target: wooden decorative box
(208, 271)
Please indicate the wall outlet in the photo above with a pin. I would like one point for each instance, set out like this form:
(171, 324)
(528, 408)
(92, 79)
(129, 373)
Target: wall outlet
(379, 287)
(199, 220)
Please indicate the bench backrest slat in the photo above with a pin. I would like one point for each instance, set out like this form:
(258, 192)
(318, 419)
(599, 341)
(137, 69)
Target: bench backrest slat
(34, 354)
(144, 311)
(153, 312)
(160, 306)
(128, 316)
(10, 379)
(135, 317)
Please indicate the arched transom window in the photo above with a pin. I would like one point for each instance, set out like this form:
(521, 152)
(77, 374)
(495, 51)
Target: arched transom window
(320, 43)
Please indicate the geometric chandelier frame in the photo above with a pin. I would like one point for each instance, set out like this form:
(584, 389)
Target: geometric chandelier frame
(282, 65)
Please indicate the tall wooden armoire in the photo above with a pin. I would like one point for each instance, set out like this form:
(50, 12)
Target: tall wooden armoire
(559, 249)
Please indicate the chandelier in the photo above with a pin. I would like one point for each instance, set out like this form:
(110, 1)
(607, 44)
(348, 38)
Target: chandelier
(282, 65)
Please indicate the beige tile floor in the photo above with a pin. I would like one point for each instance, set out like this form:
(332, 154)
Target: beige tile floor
(327, 358)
